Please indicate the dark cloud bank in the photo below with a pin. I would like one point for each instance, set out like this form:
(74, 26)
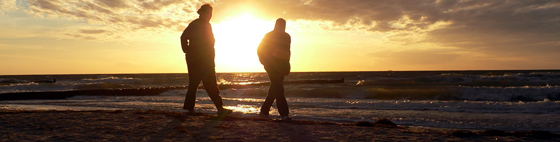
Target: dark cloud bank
(525, 29)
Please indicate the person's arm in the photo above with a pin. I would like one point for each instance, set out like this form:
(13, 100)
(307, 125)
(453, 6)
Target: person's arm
(185, 38)
(261, 50)
(289, 41)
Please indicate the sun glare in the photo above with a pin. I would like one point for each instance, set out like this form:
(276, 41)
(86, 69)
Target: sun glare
(237, 40)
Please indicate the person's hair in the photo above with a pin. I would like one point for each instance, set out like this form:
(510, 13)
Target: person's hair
(204, 8)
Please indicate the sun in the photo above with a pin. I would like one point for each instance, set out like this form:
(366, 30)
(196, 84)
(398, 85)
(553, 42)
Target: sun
(237, 40)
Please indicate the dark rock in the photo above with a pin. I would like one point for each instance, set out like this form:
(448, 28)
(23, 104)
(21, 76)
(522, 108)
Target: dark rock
(462, 133)
(494, 132)
(385, 122)
(364, 124)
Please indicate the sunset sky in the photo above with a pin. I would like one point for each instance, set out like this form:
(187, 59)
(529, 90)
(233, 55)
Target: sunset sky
(142, 36)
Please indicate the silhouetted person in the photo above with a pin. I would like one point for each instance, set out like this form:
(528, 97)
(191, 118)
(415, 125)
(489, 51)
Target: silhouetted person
(197, 42)
(274, 54)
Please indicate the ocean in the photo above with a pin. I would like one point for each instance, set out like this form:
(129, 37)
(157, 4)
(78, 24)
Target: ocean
(512, 100)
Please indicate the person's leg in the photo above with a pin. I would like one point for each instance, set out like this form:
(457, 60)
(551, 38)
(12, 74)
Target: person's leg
(209, 82)
(194, 81)
(277, 81)
(265, 108)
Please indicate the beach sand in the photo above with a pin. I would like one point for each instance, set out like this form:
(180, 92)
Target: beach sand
(152, 125)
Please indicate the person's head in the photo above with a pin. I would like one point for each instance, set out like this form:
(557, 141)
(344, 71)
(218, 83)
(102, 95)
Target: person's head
(280, 25)
(205, 12)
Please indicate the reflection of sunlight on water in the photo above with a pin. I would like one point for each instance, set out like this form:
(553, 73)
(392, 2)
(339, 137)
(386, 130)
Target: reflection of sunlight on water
(245, 99)
(223, 81)
(244, 108)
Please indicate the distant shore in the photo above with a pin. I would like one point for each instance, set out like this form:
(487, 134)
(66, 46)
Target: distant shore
(151, 125)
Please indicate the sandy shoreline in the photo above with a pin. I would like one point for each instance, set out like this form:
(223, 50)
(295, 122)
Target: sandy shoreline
(151, 125)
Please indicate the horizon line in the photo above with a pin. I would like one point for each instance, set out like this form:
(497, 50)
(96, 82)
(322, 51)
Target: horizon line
(298, 72)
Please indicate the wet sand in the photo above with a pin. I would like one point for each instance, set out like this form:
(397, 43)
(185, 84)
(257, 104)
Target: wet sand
(152, 125)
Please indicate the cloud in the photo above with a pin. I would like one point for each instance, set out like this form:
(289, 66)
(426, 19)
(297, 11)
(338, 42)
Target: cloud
(501, 28)
(9, 5)
(157, 5)
(118, 16)
(84, 37)
(498, 28)
(382, 15)
(93, 31)
(115, 4)
(388, 15)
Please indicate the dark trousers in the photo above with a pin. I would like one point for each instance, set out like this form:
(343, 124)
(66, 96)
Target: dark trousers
(276, 91)
(208, 79)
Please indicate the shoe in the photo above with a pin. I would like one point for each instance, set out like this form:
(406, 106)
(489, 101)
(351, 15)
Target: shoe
(264, 115)
(224, 112)
(286, 118)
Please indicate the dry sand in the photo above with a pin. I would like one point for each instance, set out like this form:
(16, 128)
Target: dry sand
(151, 125)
